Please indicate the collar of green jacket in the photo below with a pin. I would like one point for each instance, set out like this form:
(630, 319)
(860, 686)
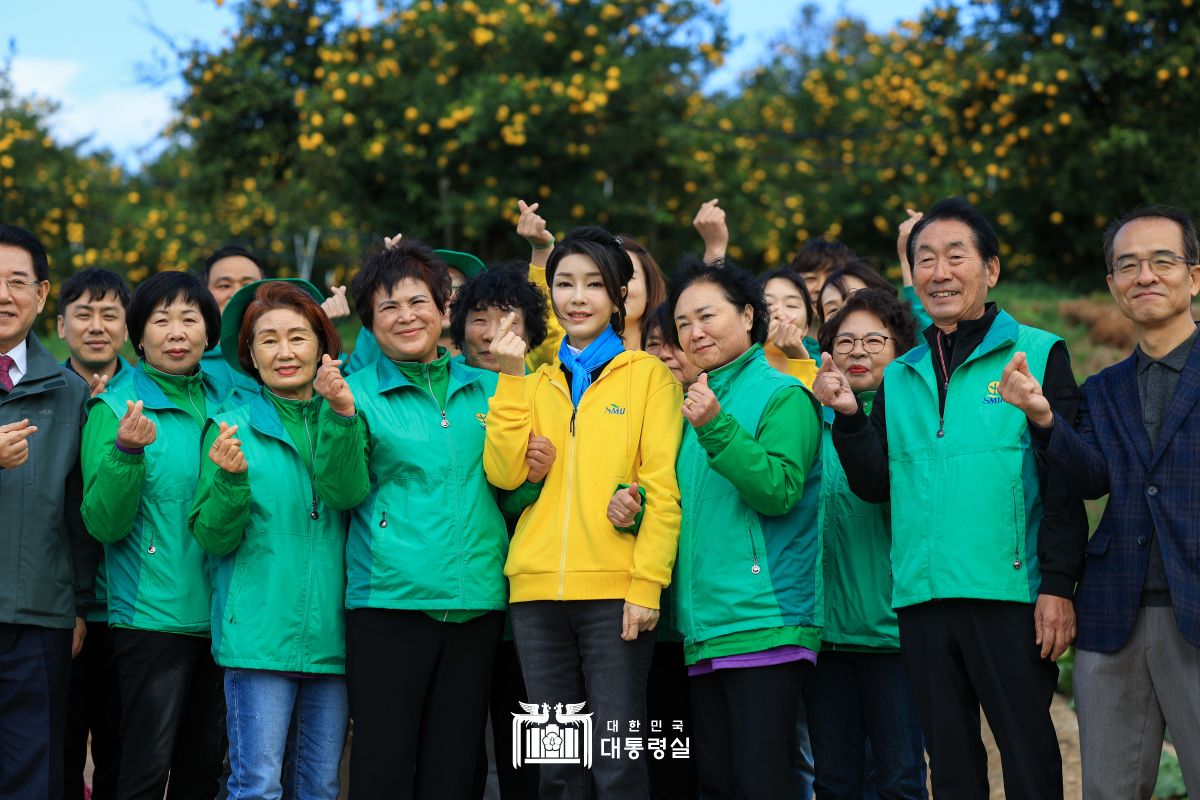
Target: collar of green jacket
(727, 372)
(995, 329)
(163, 391)
(293, 422)
(123, 368)
(393, 375)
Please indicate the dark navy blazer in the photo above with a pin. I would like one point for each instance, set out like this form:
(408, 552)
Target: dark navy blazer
(1152, 492)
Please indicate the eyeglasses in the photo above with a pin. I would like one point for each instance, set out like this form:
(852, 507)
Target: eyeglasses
(872, 343)
(1161, 263)
(18, 285)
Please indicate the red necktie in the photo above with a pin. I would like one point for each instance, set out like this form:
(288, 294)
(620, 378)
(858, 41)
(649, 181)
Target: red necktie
(6, 363)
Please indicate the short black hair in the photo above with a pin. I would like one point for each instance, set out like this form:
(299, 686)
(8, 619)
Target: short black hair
(796, 279)
(657, 319)
(607, 253)
(956, 208)
(95, 283)
(504, 288)
(739, 287)
(164, 288)
(387, 266)
(229, 251)
(864, 271)
(822, 255)
(1191, 246)
(895, 314)
(12, 236)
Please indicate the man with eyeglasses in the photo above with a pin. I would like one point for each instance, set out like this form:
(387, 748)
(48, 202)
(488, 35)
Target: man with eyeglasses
(987, 545)
(47, 560)
(1137, 440)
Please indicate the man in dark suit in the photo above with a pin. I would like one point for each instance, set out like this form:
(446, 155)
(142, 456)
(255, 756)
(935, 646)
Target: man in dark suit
(47, 563)
(1137, 439)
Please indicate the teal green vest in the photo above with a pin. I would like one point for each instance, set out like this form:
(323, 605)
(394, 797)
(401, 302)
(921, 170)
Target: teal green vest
(278, 598)
(856, 541)
(738, 570)
(158, 576)
(429, 535)
(966, 503)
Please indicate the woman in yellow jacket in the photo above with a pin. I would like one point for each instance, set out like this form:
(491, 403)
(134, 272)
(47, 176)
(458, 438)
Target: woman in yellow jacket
(584, 595)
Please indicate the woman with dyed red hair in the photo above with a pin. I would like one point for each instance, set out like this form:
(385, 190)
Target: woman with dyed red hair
(279, 581)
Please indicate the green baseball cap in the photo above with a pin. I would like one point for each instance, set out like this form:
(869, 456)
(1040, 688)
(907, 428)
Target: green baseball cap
(235, 309)
(469, 264)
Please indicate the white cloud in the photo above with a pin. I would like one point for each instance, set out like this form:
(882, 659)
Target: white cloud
(122, 119)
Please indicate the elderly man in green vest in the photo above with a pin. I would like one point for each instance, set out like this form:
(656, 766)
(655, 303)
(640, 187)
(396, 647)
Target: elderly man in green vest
(986, 546)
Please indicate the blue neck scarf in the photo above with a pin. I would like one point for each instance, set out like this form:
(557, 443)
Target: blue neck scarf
(605, 348)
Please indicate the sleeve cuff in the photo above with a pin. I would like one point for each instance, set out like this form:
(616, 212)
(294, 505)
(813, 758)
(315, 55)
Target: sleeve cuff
(129, 451)
(716, 434)
(233, 478)
(851, 423)
(339, 419)
(1058, 584)
(122, 456)
(643, 593)
(510, 388)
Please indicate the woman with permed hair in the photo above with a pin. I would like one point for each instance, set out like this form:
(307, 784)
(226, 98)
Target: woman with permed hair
(400, 445)
(584, 594)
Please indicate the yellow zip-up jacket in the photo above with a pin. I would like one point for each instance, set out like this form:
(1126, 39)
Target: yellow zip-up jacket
(627, 428)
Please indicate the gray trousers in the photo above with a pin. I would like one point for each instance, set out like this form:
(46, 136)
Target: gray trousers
(1125, 698)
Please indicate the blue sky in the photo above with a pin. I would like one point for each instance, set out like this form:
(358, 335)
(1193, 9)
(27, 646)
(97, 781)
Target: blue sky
(107, 65)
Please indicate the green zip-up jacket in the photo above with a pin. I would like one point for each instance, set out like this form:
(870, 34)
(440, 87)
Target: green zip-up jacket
(98, 610)
(966, 502)
(425, 531)
(138, 503)
(748, 572)
(856, 541)
(279, 577)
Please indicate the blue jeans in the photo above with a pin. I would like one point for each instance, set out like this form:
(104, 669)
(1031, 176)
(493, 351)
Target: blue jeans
(273, 712)
(854, 699)
(571, 651)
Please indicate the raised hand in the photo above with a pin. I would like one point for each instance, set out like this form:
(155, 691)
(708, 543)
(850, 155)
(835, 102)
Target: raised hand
(710, 224)
(1019, 388)
(336, 306)
(532, 228)
(635, 619)
(14, 443)
(700, 405)
(624, 506)
(226, 451)
(509, 349)
(97, 384)
(330, 384)
(902, 234)
(540, 456)
(136, 430)
(831, 388)
(391, 241)
(788, 337)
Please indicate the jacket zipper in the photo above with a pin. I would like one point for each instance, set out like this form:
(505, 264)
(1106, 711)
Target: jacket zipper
(429, 383)
(562, 562)
(1016, 533)
(314, 514)
(755, 569)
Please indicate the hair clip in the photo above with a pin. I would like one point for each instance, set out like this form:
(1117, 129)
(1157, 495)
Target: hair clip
(617, 239)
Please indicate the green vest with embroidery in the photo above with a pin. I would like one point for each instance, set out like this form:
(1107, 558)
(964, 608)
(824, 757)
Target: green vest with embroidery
(966, 501)
(738, 570)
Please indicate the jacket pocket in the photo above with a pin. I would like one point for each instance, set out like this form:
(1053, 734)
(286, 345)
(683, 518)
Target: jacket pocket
(1018, 532)
(235, 589)
(1098, 543)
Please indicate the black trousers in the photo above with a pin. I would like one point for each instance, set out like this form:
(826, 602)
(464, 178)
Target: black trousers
(668, 700)
(172, 716)
(35, 672)
(508, 687)
(744, 745)
(418, 693)
(961, 654)
(94, 707)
